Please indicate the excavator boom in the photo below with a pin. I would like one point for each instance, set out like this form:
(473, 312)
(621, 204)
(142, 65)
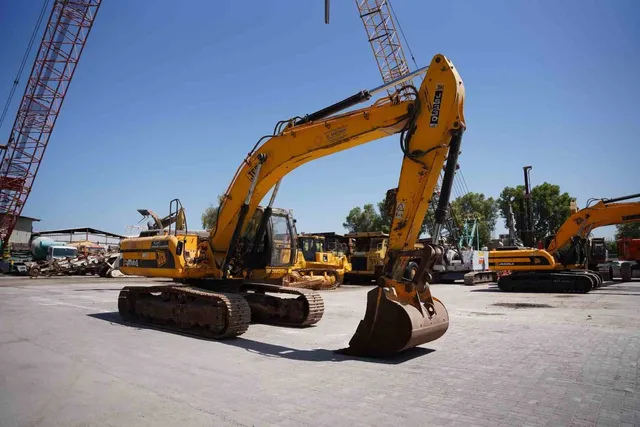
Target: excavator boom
(292, 148)
(604, 212)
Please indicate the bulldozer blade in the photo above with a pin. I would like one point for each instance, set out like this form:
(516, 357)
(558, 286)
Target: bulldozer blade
(390, 327)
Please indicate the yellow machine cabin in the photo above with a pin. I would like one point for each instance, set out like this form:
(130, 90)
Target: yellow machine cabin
(367, 255)
(282, 257)
(316, 260)
(178, 253)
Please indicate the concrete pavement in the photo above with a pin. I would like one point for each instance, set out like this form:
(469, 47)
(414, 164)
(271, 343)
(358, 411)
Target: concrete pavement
(66, 359)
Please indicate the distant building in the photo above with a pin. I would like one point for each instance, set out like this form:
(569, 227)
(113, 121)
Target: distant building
(21, 235)
(91, 235)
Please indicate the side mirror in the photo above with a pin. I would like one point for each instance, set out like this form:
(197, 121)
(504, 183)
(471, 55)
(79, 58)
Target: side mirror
(179, 248)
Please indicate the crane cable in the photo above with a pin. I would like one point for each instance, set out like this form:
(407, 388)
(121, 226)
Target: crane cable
(24, 61)
(402, 33)
(464, 182)
(461, 185)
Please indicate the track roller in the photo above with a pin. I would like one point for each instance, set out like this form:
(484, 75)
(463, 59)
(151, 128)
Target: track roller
(303, 307)
(186, 309)
(570, 281)
(204, 311)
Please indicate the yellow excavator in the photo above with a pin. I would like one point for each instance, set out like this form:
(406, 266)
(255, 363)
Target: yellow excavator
(312, 269)
(157, 225)
(563, 265)
(219, 300)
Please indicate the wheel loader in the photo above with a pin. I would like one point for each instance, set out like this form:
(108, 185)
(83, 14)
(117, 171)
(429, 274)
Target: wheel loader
(220, 297)
(562, 266)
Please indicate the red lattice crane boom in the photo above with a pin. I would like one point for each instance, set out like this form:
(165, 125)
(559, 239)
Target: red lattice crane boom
(63, 41)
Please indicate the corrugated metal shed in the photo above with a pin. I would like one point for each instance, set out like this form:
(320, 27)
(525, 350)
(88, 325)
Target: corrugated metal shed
(22, 232)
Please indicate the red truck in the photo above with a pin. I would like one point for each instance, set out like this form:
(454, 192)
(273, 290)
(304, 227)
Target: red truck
(629, 257)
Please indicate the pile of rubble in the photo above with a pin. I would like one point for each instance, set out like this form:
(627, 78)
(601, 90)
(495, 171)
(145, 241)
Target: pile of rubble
(103, 265)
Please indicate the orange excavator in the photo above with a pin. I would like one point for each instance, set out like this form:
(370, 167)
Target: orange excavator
(220, 296)
(562, 266)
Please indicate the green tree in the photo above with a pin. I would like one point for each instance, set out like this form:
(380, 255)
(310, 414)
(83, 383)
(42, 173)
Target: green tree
(366, 218)
(210, 214)
(551, 208)
(612, 247)
(630, 230)
(484, 210)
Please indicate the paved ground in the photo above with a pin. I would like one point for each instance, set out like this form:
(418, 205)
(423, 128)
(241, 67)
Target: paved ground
(66, 360)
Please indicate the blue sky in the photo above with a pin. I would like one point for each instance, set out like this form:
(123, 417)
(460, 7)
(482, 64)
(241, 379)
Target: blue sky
(167, 100)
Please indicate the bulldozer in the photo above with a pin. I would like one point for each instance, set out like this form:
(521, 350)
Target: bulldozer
(562, 264)
(220, 296)
(314, 259)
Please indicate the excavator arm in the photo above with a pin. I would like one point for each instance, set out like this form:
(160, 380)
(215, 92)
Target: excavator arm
(265, 166)
(427, 124)
(160, 224)
(401, 313)
(604, 212)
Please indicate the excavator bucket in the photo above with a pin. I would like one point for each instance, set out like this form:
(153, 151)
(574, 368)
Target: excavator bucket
(391, 325)
(401, 313)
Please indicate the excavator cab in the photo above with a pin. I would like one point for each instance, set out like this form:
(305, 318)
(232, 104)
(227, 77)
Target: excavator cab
(276, 248)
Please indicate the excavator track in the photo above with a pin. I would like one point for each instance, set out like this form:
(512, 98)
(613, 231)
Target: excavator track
(571, 281)
(596, 277)
(220, 310)
(304, 308)
(186, 309)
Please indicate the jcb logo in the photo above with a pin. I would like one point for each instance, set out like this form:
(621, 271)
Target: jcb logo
(161, 258)
(252, 172)
(129, 262)
(437, 102)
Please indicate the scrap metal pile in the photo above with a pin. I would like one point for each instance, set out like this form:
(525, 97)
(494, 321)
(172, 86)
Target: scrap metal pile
(103, 265)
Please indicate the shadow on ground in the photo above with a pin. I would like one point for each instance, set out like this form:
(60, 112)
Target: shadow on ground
(607, 288)
(489, 289)
(617, 288)
(273, 350)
